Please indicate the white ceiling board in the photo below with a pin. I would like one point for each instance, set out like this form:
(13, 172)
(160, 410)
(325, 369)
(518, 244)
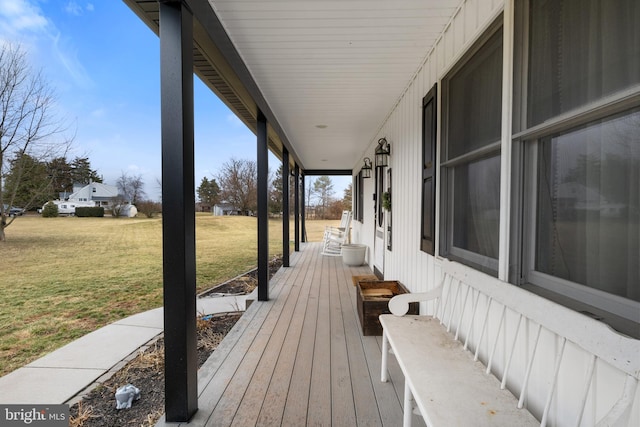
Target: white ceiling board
(339, 63)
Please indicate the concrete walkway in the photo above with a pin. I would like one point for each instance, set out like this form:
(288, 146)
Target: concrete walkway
(64, 375)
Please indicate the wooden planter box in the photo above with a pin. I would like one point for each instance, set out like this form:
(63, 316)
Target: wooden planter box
(363, 278)
(372, 302)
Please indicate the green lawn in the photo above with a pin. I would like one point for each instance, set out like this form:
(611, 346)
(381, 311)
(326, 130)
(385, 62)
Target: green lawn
(61, 278)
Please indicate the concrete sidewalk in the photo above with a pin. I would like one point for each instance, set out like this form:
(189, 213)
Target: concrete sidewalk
(64, 375)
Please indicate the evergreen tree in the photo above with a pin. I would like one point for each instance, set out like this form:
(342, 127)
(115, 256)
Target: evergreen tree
(323, 188)
(276, 193)
(81, 172)
(347, 198)
(209, 191)
(27, 182)
(61, 179)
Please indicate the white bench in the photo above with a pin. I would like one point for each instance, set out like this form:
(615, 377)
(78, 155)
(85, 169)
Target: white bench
(542, 364)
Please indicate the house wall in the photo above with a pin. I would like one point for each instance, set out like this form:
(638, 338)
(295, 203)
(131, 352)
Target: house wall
(419, 271)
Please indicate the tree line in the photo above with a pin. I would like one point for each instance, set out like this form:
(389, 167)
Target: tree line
(35, 166)
(32, 135)
(31, 182)
(236, 184)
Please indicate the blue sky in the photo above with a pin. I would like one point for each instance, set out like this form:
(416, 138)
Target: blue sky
(103, 64)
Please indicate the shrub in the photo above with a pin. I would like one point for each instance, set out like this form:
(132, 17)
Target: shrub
(86, 211)
(149, 208)
(50, 210)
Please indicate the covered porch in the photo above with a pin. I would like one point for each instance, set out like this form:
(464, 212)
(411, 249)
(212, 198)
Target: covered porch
(300, 358)
(319, 83)
(319, 117)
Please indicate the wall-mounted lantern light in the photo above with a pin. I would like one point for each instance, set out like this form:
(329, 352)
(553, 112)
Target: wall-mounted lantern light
(366, 169)
(382, 153)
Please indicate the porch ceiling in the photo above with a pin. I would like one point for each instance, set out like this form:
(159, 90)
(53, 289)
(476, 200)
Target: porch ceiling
(342, 64)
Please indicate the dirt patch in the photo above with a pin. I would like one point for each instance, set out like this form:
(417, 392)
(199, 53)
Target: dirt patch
(146, 370)
(243, 284)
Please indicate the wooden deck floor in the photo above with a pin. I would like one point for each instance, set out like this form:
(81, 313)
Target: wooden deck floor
(300, 358)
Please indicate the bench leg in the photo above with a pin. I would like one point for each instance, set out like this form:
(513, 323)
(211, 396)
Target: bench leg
(408, 407)
(385, 355)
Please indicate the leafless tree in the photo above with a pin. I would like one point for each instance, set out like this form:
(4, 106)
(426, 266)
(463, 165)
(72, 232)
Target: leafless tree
(29, 126)
(238, 181)
(131, 188)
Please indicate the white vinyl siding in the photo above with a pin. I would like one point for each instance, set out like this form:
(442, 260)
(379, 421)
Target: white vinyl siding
(419, 271)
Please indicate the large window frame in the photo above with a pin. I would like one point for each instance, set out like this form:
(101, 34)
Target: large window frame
(457, 158)
(621, 313)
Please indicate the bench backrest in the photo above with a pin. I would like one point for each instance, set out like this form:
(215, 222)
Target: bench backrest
(566, 368)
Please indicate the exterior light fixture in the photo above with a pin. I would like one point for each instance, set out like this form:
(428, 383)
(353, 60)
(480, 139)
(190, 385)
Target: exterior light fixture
(366, 169)
(382, 153)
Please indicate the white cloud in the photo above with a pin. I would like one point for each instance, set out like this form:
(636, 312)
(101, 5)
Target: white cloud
(24, 22)
(18, 17)
(73, 8)
(67, 56)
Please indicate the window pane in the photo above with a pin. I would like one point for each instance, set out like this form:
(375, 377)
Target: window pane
(589, 206)
(476, 210)
(580, 51)
(475, 100)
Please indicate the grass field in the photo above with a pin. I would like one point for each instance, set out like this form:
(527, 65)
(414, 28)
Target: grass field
(61, 278)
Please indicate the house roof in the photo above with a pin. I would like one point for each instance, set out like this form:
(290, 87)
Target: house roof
(325, 73)
(102, 191)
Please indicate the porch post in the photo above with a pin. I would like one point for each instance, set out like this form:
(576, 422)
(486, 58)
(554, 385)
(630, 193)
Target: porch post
(178, 222)
(304, 209)
(285, 207)
(263, 211)
(296, 203)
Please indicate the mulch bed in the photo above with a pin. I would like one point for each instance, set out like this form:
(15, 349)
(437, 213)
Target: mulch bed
(146, 370)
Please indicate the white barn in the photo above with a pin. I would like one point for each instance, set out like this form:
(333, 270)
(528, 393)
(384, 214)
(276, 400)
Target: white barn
(513, 136)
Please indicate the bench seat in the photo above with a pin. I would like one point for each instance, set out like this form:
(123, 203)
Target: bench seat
(449, 388)
(486, 352)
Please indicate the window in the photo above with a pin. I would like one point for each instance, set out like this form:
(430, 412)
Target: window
(470, 187)
(429, 126)
(580, 51)
(588, 186)
(579, 139)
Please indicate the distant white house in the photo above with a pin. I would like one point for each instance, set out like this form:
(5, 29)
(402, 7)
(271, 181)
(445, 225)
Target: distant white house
(89, 195)
(101, 194)
(220, 209)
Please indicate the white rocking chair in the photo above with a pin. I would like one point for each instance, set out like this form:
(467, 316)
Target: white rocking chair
(335, 237)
